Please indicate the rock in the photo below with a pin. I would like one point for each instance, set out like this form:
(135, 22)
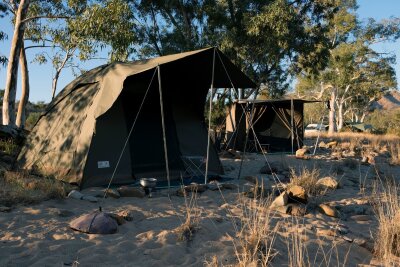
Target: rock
(214, 185)
(127, 215)
(331, 144)
(297, 194)
(361, 218)
(296, 209)
(5, 209)
(301, 153)
(75, 194)
(329, 211)
(326, 232)
(230, 186)
(327, 183)
(127, 191)
(261, 181)
(281, 200)
(90, 198)
(322, 144)
(112, 193)
(257, 192)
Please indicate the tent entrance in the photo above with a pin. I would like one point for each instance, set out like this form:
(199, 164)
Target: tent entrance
(146, 141)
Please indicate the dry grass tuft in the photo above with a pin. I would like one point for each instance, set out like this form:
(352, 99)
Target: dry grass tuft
(21, 188)
(387, 208)
(395, 153)
(188, 228)
(306, 179)
(255, 235)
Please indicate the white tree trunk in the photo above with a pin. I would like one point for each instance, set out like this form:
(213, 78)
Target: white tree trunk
(340, 116)
(12, 69)
(21, 115)
(332, 112)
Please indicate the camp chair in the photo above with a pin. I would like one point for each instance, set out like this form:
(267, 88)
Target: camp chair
(194, 165)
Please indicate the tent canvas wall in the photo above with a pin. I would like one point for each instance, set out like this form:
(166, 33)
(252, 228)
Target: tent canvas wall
(272, 123)
(80, 136)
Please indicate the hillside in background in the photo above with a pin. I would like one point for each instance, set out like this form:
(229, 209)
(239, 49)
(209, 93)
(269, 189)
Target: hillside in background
(389, 101)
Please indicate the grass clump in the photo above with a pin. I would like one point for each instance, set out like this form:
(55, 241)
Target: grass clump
(307, 179)
(256, 234)
(387, 208)
(395, 154)
(22, 188)
(190, 225)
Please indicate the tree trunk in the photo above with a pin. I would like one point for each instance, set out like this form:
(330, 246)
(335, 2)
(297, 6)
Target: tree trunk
(54, 86)
(21, 115)
(12, 69)
(340, 116)
(332, 112)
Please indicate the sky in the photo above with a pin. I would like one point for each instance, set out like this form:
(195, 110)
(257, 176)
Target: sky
(41, 75)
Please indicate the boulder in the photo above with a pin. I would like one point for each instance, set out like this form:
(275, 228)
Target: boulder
(328, 183)
(329, 211)
(297, 194)
(331, 144)
(301, 153)
(75, 194)
(281, 200)
(127, 191)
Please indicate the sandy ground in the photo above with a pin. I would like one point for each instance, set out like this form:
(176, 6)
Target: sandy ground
(39, 235)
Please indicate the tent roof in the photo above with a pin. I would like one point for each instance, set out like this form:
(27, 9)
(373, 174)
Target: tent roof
(112, 76)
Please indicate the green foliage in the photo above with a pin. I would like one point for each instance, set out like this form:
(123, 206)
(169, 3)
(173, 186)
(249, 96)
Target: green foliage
(354, 69)
(257, 35)
(385, 121)
(314, 112)
(31, 120)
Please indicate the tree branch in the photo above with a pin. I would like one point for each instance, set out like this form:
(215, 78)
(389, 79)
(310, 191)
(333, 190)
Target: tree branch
(45, 17)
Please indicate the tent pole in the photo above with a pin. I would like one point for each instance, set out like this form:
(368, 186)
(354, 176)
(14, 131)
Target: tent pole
(163, 125)
(209, 118)
(291, 123)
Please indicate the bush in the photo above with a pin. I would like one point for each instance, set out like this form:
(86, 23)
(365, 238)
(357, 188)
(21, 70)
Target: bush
(385, 121)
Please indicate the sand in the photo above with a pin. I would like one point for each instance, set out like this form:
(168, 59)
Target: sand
(38, 236)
